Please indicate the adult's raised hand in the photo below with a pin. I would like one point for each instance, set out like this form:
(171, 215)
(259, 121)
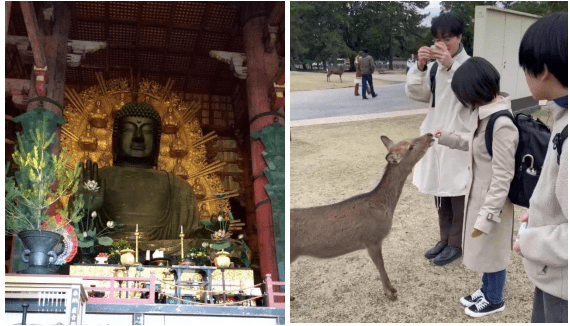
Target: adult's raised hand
(92, 187)
(424, 54)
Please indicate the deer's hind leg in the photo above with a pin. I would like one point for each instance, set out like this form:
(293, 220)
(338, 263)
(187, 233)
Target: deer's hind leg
(375, 252)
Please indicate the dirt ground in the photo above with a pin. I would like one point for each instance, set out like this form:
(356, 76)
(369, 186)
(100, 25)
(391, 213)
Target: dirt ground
(333, 162)
(308, 81)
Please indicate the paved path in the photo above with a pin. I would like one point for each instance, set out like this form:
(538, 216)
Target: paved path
(330, 103)
(357, 117)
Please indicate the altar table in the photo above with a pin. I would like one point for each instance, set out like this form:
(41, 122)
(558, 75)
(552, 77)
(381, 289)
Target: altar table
(233, 280)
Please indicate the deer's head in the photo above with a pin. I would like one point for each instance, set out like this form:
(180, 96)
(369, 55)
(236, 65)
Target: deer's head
(407, 152)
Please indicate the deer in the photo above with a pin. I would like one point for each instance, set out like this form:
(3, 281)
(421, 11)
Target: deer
(336, 71)
(362, 221)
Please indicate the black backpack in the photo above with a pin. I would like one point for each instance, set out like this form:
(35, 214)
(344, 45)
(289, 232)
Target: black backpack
(534, 138)
(432, 73)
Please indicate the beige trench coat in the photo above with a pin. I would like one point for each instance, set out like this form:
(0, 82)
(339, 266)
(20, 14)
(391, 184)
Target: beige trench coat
(442, 171)
(357, 63)
(487, 207)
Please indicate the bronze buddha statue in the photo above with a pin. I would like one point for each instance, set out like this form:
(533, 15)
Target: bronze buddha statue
(132, 192)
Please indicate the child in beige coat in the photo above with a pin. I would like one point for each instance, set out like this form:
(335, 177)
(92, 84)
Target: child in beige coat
(488, 223)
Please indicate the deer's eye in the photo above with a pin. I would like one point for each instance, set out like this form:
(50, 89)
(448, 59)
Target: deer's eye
(410, 147)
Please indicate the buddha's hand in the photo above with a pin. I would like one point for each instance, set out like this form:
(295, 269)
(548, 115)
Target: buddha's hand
(92, 187)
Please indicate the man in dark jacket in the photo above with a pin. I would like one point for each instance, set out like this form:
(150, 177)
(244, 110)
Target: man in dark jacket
(367, 68)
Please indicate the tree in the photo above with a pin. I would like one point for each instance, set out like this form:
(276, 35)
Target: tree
(465, 10)
(318, 30)
(540, 8)
(388, 28)
(326, 30)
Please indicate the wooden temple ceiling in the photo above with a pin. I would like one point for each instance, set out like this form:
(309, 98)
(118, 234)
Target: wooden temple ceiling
(153, 40)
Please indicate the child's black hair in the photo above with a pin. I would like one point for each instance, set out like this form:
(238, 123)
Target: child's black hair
(545, 44)
(476, 82)
(447, 24)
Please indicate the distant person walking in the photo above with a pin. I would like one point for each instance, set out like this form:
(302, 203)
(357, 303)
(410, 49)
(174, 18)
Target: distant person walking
(442, 172)
(410, 63)
(367, 67)
(358, 79)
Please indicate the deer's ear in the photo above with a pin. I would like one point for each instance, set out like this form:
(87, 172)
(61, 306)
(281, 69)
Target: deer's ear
(393, 158)
(387, 142)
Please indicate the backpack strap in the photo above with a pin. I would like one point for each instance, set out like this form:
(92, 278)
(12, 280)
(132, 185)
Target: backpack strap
(432, 73)
(491, 124)
(558, 141)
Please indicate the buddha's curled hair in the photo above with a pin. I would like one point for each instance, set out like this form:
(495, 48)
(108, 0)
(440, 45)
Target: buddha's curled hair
(134, 109)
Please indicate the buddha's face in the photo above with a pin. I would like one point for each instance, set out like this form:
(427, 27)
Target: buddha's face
(137, 136)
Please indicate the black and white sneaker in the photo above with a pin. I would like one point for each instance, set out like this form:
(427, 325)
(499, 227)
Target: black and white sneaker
(470, 300)
(483, 308)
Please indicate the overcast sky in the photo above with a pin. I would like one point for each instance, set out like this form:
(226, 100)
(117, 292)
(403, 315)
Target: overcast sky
(433, 10)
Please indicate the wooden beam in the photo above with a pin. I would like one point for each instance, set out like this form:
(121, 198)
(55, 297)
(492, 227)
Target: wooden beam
(198, 41)
(222, 65)
(17, 86)
(36, 38)
(8, 6)
(277, 14)
(166, 25)
(165, 50)
(55, 47)
(107, 13)
(136, 51)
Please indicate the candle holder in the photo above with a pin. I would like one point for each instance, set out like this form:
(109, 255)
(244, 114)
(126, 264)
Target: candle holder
(137, 245)
(181, 246)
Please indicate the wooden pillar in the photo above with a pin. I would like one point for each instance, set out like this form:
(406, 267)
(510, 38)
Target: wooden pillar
(8, 7)
(49, 45)
(261, 67)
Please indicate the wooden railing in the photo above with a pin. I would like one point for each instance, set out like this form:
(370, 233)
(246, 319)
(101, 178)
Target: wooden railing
(112, 289)
(271, 293)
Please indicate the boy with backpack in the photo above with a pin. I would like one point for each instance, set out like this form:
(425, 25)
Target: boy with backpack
(543, 55)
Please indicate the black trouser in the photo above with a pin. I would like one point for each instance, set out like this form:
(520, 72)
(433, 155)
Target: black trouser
(450, 211)
(548, 308)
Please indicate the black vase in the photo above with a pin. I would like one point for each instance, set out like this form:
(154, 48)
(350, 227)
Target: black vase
(86, 257)
(39, 250)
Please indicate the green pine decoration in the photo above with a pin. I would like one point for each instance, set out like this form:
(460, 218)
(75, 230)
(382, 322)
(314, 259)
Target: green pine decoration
(42, 179)
(273, 138)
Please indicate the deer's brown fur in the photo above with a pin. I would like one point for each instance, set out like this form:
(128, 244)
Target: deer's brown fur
(336, 71)
(362, 221)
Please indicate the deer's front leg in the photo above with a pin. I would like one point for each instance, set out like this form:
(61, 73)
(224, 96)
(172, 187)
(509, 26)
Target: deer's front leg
(375, 252)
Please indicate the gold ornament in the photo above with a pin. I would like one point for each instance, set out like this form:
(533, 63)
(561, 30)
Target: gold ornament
(199, 190)
(98, 119)
(170, 124)
(180, 171)
(178, 147)
(88, 142)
